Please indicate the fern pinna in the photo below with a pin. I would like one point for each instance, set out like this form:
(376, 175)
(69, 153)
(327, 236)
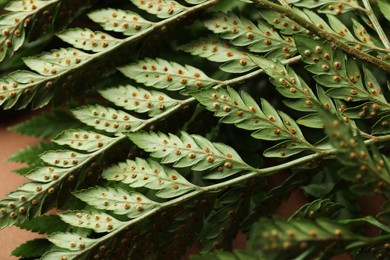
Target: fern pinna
(199, 103)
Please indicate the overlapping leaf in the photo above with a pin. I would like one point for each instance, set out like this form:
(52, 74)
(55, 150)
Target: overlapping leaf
(268, 123)
(151, 175)
(162, 74)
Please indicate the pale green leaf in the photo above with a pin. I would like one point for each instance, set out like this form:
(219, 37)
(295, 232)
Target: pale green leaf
(88, 40)
(47, 174)
(162, 74)
(58, 254)
(107, 119)
(242, 32)
(57, 61)
(64, 158)
(162, 9)
(117, 20)
(149, 174)
(83, 140)
(139, 100)
(132, 204)
(188, 151)
(97, 221)
(71, 241)
(243, 111)
(216, 50)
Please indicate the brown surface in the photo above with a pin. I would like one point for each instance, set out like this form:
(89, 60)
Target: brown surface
(11, 143)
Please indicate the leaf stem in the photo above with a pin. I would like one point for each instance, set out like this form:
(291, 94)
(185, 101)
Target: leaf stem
(376, 24)
(325, 35)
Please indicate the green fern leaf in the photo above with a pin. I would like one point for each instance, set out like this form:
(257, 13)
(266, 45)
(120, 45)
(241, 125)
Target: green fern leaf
(162, 74)
(139, 100)
(281, 22)
(97, 221)
(45, 224)
(344, 77)
(242, 32)
(32, 249)
(46, 174)
(16, 92)
(189, 151)
(83, 140)
(30, 154)
(57, 61)
(47, 125)
(162, 9)
(64, 158)
(14, 22)
(107, 119)
(71, 241)
(132, 204)
(213, 49)
(122, 21)
(88, 40)
(269, 124)
(151, 175)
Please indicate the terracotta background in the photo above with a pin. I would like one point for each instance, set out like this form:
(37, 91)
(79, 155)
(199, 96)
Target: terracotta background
(10, 144)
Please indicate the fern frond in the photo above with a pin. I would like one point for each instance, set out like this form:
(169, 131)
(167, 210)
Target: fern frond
(56, 68)
(268, 123)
